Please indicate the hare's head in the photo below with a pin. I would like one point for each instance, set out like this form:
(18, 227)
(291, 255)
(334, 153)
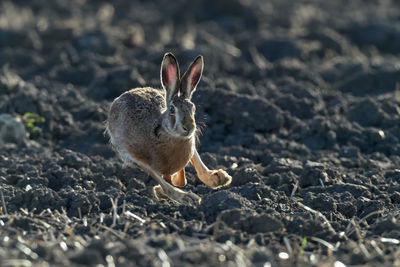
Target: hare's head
(178, 117)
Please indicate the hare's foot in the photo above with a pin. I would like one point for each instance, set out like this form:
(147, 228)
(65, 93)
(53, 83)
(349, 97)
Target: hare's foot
(177, 195)
(179, 179)
(165, 190)
(212, 178)
(217, 178)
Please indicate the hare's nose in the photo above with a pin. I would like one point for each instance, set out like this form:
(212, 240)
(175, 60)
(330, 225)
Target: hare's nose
(186, 131)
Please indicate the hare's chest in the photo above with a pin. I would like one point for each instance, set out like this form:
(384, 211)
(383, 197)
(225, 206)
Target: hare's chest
(175, 156)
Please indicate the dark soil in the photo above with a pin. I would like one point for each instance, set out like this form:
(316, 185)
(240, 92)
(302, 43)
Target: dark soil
(299, 102)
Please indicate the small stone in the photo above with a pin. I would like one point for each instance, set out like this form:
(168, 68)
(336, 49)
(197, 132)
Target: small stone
(12, 130)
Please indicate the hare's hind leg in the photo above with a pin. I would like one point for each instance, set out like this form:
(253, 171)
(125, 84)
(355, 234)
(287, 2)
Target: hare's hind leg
(212, 178)
(177, 179)
(165, 190)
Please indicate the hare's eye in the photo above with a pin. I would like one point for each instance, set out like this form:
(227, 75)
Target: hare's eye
(172, 109)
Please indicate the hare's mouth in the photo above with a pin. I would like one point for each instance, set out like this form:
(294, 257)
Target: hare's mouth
(187, 133)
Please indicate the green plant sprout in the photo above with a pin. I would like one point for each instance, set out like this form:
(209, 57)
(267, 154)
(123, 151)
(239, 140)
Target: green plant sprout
(30, 120)
(303, 245)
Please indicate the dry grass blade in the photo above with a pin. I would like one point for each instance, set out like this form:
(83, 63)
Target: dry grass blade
(369, 215)
(376, 247)
(16, 262)
(317, 213)
(323, 242)
(258, 58)
(288, 246)
(390, 240)
(3, 202)
(79, 213)
(349, 225)
(114, 204)
(24, 211)
(222, 45)
(364, 250)
(351, 230)
(118, 234)
(27, 251)
(294, 189)
(130, 214)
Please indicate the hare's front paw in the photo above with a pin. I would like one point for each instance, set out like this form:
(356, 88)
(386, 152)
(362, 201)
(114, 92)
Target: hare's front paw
(218, 178)
(159, 193)
(177, 195)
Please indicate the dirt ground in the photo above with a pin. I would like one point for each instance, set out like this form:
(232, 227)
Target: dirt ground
(299, 102)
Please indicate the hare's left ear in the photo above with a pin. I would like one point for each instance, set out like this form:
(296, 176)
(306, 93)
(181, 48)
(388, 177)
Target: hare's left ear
(191, 78)
(170, 75)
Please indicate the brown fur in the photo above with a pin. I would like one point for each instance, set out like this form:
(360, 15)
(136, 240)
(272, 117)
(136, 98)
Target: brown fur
(155, 129)
(180, 178)
(133, 119)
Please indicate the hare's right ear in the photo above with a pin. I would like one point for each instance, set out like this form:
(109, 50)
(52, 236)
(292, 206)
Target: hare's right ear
(192, 77)
(170, 75)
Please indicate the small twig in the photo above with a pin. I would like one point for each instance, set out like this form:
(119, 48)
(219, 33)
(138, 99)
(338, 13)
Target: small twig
(51, 234)
(369, 215)
(3, 202)
(390, 240)
(63, 215)
(364, 250)
(362, 220)
(317, 213)
(42, 212)
(376, 247)
(323, 242)
(126, 227)
(27, 251)
(16, 262)
(79, 213)
(220, 44)
(294, 188)
(101, 217)
(287, 244)
(128, 213)
(25, 212)
(114, 204)
(117, 234)
(348, 227)
(337, 245)
(123, 206)
(258, 58)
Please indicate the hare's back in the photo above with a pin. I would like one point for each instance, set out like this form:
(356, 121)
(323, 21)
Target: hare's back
(136, 110)
(140, 103)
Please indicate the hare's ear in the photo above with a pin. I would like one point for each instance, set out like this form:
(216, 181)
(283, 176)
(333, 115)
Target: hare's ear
(191, 77)
(170, 75)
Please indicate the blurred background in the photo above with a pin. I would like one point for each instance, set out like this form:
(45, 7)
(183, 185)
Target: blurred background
(299, 102)
(74, 57)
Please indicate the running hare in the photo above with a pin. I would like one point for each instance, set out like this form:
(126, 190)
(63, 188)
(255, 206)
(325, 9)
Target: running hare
(155, 129)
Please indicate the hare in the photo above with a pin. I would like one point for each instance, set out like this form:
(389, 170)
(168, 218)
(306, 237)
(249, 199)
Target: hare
(156, 131)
